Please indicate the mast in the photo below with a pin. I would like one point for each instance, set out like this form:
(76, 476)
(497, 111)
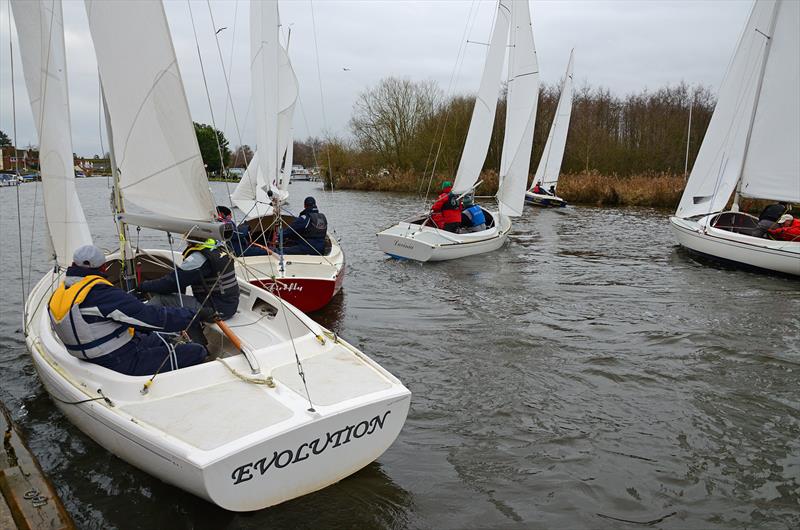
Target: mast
(773, 20)
(127, 274)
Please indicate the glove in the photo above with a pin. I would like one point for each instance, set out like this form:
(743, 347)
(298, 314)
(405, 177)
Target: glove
(207, 314)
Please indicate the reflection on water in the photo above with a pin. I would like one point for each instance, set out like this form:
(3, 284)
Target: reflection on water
(587, 375)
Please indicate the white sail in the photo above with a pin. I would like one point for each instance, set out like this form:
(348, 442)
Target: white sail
(288, 160)
(523, 98)
(40, 29)
(160, 167)
(550, 165)
(772, 163)
(480, 127)
(250, 195)
(719, 162)
(275, 91)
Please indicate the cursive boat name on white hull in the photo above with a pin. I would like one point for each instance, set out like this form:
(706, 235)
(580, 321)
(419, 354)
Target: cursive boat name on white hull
(281, 459)
(404, 245)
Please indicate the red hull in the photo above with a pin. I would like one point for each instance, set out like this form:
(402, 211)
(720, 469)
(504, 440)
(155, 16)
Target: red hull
(306, 294)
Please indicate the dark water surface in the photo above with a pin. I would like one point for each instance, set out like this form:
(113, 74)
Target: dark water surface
(587, 374)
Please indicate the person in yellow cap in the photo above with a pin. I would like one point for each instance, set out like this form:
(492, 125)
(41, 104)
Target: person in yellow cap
(102, 324)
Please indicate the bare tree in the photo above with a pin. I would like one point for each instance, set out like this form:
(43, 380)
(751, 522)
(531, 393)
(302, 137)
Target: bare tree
(386, 118)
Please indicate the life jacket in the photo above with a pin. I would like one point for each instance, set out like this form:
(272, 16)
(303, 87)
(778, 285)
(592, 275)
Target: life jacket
(220, 277)
(538, 190)
(317, 227)
(475, 215)
(84, 340)
(787, 233)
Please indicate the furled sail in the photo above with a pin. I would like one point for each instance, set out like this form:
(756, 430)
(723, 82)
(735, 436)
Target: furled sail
(720, 159)
(156, 151)
(40, 29)
(480, 128)
(550, 165)
(523, 97)
(772, 163)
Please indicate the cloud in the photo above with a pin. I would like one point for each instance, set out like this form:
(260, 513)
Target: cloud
(622, 45)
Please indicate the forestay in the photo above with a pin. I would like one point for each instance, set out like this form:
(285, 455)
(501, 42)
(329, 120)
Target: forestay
(523, 97)
(40, 29)
(719, 162)
(550, 165)
(156, 151)
(772, 164)
(480, 128)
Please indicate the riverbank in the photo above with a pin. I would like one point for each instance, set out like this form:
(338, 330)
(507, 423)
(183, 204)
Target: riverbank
(656, 190)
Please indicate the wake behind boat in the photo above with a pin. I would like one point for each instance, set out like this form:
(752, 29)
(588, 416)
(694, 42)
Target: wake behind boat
(750, 149)
(424, 237)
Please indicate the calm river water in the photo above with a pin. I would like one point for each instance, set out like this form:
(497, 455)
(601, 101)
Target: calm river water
(587, 375)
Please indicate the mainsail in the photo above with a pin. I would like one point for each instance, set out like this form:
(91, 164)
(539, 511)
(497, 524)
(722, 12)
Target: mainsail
(523, 97)
(40, 29)
(156, 151)
(721, 158)
(550, 165)
(275, 90)
(480, 128)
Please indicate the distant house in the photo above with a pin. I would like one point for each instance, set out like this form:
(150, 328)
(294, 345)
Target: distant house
(24, 159)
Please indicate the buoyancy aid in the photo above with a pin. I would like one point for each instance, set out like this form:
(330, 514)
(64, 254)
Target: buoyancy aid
(475, 215)
(84, 340)
(317, 226)
(220, 277)
(787, 233)
(446, 209)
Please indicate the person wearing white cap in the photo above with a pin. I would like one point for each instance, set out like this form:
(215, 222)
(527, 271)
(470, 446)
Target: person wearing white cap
(104, 325)
(788, 229)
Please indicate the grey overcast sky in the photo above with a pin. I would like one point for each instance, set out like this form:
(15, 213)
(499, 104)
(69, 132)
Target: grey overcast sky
(623, 45)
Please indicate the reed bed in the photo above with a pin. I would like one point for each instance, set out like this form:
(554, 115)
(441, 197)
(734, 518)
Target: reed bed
(656, 190)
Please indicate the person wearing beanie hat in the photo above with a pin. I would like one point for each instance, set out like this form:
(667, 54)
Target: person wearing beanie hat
(472, 218)
(446, 211)
(102, 324)
(788, 229)
(307, 233)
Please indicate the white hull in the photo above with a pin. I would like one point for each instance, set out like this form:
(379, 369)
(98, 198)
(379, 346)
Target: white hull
(537, 199)
(237, 444)
(776, 256)
(411, 240)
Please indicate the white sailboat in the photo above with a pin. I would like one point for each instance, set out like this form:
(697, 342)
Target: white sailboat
(750, 148)
(549, 168)
(292, 411)
(307, 281)
(417, 238)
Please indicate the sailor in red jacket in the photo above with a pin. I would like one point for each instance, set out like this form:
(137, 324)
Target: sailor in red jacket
(788, 229)
(446, 211)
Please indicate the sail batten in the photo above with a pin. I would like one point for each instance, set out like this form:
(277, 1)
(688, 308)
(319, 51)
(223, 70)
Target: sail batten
(158, 158)
(40, 30)
(522, 102)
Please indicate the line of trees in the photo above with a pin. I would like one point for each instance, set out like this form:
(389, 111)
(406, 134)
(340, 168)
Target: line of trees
(405, 125)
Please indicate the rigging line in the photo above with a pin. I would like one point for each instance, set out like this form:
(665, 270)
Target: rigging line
(16, 158)
(208, 97)
(226, 76)
(230, 59)
(321, 95)
(459, 62)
